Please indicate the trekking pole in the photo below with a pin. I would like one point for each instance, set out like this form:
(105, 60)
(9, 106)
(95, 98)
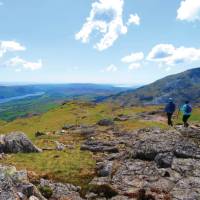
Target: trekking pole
(178, 114)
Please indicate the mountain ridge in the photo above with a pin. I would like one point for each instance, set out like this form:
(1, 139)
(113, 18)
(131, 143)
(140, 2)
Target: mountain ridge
(182, 86)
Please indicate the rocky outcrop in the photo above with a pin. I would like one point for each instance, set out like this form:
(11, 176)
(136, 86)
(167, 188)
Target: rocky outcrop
(14, 185)
(156, 165)
(17, 142)
(61, 191)
(98, 146)
(83, 130)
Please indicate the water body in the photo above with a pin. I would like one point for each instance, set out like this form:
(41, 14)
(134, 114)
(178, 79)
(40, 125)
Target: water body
(5, 100)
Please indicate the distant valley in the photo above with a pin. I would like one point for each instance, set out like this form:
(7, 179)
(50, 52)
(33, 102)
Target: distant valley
(27, 100)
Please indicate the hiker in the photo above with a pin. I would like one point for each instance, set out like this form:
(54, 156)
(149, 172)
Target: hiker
(170, 109)
(186, 110)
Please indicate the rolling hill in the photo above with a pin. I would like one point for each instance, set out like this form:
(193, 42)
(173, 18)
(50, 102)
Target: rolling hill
(181, 87)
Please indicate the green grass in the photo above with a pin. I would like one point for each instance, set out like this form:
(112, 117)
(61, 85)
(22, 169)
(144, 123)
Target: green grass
(72, 166)
(195, 117)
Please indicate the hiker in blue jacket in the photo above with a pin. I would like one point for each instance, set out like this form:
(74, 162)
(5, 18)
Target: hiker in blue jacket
(170, 109)
(187, 111)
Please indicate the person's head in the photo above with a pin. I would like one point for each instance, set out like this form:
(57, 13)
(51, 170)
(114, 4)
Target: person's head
(187, 102)
(170, 100)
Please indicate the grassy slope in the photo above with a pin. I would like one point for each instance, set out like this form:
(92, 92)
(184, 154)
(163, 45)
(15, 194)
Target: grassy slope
(73, 166)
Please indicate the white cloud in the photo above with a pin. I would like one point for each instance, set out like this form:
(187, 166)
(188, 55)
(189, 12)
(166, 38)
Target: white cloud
(134, 60)
(189, 10)
(111, 68)
(134, 57)
(19, 62)
(134, 66)
(170, 55)
(134, 19)
(10, 46)
(106, 18)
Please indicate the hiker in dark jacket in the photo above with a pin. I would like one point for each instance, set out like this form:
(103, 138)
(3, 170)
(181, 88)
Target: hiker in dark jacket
(170, 109)
(187, 111)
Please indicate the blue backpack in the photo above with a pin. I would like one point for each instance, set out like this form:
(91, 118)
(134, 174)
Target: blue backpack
(188, 109)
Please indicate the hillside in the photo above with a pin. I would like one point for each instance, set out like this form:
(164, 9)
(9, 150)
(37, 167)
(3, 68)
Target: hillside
(181, 87)
(15, 102)
(103, 158)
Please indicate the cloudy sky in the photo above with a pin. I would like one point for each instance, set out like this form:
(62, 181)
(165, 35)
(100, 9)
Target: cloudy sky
(98, 41)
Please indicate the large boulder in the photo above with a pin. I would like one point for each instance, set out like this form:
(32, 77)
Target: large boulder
(17, 142)
(14, 185)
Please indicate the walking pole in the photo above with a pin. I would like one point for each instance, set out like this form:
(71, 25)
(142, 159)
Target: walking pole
(179, 108)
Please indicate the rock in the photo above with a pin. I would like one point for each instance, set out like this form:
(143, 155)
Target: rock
(103, 188)
(14, 185)
(187, 150)
(17, 142)
(105, 122)
(154, 164)
(33, 198)
(2, 156)
(67, 127)
(190, 132)
(97, 146)
(164, 160)
(38, 134)
(122, 118)
(28, 190)
(104, 169)
(61, 191)
(60, 146)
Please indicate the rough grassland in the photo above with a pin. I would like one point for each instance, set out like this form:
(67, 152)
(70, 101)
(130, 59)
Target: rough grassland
(72, 166)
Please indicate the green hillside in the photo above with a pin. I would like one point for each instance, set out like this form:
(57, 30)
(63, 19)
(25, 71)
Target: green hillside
(181, 87)
(73, 165)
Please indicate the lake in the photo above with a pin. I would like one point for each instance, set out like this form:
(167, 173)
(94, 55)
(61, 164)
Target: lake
(5, 100)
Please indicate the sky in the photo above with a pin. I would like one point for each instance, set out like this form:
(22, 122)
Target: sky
(97, 41)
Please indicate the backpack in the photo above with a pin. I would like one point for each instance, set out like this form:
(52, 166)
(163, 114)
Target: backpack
(188, 109)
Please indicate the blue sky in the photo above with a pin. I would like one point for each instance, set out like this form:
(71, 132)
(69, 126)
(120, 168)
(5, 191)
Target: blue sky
(97, 41)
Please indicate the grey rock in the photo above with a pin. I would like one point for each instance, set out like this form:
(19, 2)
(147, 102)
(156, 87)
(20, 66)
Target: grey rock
(17, 142)
(14, 185)
(164, 164)
(39, 133)
(104, 169)
(164, 160)
(187, 150)
(60, 146)
(62, 191)
(98, 146)
(105, 122)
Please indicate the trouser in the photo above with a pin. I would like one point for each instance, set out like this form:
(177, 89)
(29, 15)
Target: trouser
(185, 120)
(169, 117)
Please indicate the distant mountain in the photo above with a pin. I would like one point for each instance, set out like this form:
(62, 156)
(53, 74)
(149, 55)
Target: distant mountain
(181, 87)
(59, 90)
